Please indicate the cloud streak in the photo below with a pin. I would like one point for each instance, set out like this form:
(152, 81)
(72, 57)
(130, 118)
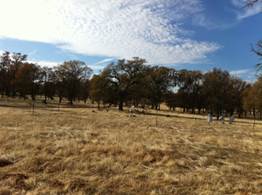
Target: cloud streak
(248, 75)
(114, 28)
(247, 11)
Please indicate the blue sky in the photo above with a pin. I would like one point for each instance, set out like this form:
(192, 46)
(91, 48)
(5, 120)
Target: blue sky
(191, 34)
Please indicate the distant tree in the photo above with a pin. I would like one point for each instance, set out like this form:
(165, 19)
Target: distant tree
(48, 83)
(9, 65)
(27, 80)
(124, 75)
(158, 83)
(252, 98)
(97, 89)
(5, 80)
(249, 100)
(238, 87)
(69, 76)
(190, 91)
(132, 82)
(217, 90)
(171, 100)
(84, 90)
(17, 60)
(258, 99)
(102, 90)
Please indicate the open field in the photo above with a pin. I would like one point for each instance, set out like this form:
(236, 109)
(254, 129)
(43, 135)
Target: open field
(85, 151)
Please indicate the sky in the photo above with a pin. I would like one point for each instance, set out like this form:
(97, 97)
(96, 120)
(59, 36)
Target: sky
(183, 34)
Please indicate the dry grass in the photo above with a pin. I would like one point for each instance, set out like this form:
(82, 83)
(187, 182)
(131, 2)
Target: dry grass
(77, 151)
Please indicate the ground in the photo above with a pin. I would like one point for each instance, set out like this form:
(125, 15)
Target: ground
(86, 151)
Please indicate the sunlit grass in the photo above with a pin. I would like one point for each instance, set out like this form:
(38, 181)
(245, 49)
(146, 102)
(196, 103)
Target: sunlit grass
(85, 151)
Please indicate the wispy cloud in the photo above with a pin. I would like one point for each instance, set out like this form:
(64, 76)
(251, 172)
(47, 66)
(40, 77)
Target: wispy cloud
(248, 75)
(122, 29)
(203, 21)
(32, 53)
(245, 12)
(240, 72)
(104, 62)
(100, 65)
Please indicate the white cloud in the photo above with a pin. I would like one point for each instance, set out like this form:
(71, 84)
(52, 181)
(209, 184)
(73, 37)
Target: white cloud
(96, 67)
(246, 12)
(49, 64)
(115, 28)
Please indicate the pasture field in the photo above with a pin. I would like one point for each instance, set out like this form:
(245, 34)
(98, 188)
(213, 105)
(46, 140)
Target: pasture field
(86, 151)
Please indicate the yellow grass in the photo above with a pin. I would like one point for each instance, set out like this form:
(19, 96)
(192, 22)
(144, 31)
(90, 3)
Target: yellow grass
(81, 151)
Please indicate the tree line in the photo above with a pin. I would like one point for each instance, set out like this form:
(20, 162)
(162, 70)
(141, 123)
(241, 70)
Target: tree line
(131, 82)
(20, 78)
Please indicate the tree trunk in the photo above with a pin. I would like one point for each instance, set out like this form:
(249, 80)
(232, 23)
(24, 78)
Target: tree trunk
(45, 101)
(254, 114)
(33, 97)
(98, 105)
(60, 99)
(120, 105)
